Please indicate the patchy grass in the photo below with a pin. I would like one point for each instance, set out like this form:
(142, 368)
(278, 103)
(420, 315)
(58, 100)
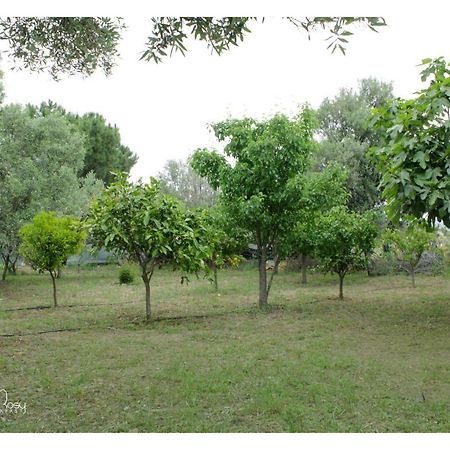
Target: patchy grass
(377, 361)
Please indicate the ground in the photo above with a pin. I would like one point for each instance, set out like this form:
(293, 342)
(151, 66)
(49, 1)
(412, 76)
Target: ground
(377, 361)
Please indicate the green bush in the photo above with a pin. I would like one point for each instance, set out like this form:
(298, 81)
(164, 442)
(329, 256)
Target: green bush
(126, 276)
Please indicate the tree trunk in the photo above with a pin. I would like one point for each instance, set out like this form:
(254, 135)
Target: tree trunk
(13, 266)
(413, 277)
(275, 266)
(216, 284)
(55, 302)
(148, 310)
(274, 271)
(341, 286)
(262, 277)
(5, 269)
(304, 267)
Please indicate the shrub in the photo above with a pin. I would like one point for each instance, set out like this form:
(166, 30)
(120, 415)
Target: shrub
(126, 276)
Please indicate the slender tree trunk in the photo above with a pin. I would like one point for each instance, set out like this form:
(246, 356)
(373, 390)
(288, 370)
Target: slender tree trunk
(216, 284)
(274, 271)
(13, 266)
(5, 269)
(304, 267)
(413, 277)
(275, 266)
(341, 286)
(262, 276)
(53, 275)
(148, 310)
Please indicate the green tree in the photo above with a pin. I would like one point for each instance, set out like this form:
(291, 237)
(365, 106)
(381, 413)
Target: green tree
(83, 44)
(321, 192)
(344, 241)
(226, 241)
(414, 157)
(261, 188)
(104, 152)
(39, 161)
(179, 180)
(48, 241)
(139, 222)
(346, 137)
(409, 244)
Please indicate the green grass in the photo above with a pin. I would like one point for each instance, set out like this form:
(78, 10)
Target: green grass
(378, 361)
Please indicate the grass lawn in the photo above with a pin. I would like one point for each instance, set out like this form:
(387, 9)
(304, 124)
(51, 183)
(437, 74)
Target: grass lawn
(378, 361)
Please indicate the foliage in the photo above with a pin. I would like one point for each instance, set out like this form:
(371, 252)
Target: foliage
(126, 276)
(179, 180)
(346, 136)
(141, 223)
(104, 152)
(70, 45)
(410, 243)
(169, 34)
(225, 238)
(414, 157)
(49, 240)
(261, 189)
(62, 44)
(344, 240)
(40, 158)
(321, 192)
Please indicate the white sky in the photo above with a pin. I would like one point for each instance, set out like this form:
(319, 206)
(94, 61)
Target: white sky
(163, 110)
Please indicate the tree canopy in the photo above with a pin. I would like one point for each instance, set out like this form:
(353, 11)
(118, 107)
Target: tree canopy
(49, 240)
(347, 135)
(104, 152)
(69, 45)
(260, 176)
(179, 180)
(343, 242)
(139, 222)
(414, 155)
(39, 165)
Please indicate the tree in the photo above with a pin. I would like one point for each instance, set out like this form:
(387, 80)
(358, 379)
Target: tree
(48, 241)
(409, 244)
(39, 161)
(179, 180)
(414, 157)
(346, 137)
(343, 242)
(104, 152)
(83, 44)
(321, 192)
(261, 188)
(139, 222)
(226, 241)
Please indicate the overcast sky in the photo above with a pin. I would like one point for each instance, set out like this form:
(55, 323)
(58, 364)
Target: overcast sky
(163, 110)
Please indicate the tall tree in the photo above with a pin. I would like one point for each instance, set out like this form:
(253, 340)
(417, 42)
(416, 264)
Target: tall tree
(346, 137)
(139, 222)
(104, 151)
(179, 179)
(414, 155)
(39, 161)
(69, 45)
(261, 189)
(105, 154)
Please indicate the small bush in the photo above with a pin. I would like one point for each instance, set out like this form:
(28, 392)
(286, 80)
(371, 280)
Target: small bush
(126, 276)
